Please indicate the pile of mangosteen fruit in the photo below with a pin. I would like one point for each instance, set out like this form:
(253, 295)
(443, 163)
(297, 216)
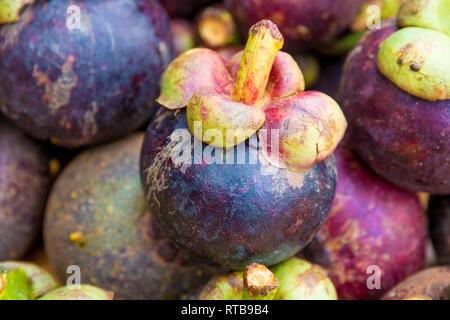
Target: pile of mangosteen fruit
(225, 150)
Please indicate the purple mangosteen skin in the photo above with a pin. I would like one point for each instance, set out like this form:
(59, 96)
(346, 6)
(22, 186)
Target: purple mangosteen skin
(24, 185)
(231, 215)
(439, 215)
(303, 23)
(184, 8)
(371, 222)
(403, 138)
(83, 86)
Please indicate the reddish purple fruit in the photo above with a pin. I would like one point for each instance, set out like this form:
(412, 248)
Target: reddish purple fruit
(403, 138)
(24, 184)
(232, 214)
(79, 84)
(439, 215)
(304, 23)
(372, 223)
(234, 200)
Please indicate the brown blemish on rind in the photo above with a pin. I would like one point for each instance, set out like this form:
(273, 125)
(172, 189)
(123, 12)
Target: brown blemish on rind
(156, 173)
(57, 94)
(90, 124)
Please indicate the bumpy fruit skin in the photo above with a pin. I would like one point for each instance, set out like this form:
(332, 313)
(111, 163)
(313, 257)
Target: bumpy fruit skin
(372, 222)
(303, 23)
(24, 185)
(82, 86)
(439, 215)
(97, 218)
(231, 215)
(403, 138)
(433, 283)
(184, 8)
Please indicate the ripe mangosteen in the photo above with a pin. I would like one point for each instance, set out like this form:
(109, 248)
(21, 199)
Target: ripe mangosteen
(304, 23)
(97, 219)
(439, 215)
(80, 73)
(24, 185)
(395, 93)
(260, 185)
(373, 226)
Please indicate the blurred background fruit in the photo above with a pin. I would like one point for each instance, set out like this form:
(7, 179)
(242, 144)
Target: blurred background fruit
(439, 215)
(97, 219)
(372, 223)
(88, 83)
(24, 185)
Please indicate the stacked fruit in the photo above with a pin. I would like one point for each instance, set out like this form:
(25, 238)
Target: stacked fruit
(244, 185)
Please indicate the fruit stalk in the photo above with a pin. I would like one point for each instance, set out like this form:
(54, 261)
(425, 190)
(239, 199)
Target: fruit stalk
(264, 41)
(259, 283)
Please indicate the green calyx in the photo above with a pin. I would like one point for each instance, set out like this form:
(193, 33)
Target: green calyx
(24, 281)
(293, 279)
(430, 14)
(390, 8)
(417, 60)
(16, 286)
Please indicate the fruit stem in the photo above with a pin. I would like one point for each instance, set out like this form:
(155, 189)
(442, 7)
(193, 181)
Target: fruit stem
(264, 41)
(216, 27)
(260, 282)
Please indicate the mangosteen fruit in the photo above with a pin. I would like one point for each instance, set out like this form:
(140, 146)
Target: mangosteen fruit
(244, 174)
(439, 215)
(24, 185)
(293, 279)
(80, 73)
(97, 219)
(304, 23)
(373, 226)
(395, 94)
(429, 284)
